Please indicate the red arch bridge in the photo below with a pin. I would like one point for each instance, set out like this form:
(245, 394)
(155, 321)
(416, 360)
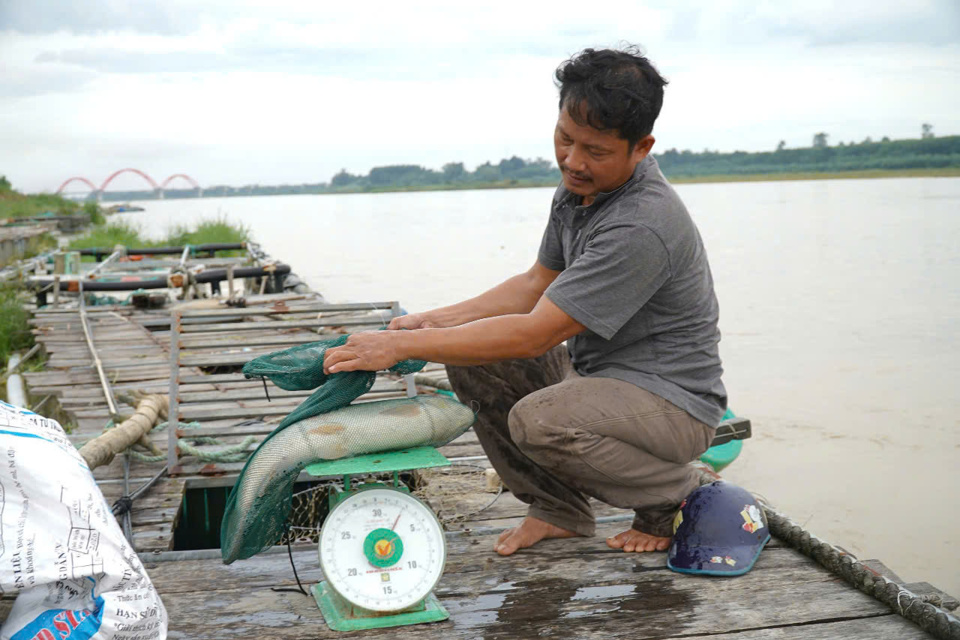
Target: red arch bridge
(157, 188)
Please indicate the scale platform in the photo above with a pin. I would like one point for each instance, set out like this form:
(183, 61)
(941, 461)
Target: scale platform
(385, 462)
(340, 615)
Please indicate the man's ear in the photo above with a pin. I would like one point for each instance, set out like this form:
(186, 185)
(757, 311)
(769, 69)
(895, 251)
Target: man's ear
(643, 147)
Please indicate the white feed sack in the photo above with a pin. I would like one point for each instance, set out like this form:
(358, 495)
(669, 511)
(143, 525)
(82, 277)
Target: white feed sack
(61, 548)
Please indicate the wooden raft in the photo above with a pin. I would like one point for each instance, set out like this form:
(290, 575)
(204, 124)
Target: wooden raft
(134, 347)
(563, 588)
(575, 588)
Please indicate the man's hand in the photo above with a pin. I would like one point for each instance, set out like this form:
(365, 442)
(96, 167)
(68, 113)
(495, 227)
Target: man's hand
(412, 321)
(364, 351)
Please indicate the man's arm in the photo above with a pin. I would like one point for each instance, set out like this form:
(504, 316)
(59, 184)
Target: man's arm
(517, 295)
(503, 337)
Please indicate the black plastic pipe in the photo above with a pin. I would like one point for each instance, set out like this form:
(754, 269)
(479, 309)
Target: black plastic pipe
(169, 251)
(211, 276)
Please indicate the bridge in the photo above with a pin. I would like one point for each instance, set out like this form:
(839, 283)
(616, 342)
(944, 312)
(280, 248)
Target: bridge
(157, 188)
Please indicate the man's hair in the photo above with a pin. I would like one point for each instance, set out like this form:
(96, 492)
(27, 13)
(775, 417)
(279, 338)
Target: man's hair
(612, 90)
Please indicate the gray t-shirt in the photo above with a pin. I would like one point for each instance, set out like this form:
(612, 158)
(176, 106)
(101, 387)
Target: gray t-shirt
(635, 274)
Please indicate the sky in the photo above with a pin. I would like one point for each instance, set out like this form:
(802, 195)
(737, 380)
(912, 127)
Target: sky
(287, 92)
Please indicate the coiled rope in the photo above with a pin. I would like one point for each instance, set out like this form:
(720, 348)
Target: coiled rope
(188, 446)
(921, 610)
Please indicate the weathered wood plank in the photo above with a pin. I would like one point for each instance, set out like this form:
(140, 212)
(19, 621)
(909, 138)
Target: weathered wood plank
(569, 588)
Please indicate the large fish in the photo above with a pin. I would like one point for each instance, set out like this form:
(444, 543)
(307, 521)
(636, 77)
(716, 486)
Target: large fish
(260, 502)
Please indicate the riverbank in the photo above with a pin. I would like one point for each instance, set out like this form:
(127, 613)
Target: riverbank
(947, 172)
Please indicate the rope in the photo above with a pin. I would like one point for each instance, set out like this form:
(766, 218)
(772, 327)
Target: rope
(921, 610)
(924, 611)
(233, 453)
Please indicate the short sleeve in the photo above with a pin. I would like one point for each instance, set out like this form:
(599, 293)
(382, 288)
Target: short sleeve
(551, 248)
(621, 267)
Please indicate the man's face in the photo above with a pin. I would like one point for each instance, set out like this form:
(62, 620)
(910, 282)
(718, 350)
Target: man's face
(592, 160)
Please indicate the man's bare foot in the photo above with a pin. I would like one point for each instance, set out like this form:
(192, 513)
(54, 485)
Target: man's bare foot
(633, 540)
(528, 533)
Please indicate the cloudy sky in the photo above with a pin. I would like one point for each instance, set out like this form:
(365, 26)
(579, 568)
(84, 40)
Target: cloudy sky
(285, 91)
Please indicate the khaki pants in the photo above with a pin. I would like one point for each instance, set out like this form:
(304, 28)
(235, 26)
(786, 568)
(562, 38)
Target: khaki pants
(555, 437)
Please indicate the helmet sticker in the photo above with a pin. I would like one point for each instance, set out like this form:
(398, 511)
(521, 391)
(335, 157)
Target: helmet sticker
(677, 520)
(752, 518)
(723, 559)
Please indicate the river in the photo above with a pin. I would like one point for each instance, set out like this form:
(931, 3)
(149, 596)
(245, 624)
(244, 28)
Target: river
(840, 310)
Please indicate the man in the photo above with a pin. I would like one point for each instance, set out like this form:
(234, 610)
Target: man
(622, 276)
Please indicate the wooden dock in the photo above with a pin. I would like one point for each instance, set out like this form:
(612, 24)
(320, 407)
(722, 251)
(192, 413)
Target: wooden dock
(575, 588)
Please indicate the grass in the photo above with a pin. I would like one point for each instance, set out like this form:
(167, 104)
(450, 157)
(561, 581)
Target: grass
(15, 332)
(208, 232)
(17, 205)
(92, 209)
(129, 235)
(110, 235)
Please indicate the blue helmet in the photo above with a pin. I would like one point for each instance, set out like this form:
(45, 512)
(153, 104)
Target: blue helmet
(719, 531)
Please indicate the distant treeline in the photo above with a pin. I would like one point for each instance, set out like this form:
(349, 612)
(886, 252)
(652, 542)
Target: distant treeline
(886, 155)
(509, 172)
(927, 153)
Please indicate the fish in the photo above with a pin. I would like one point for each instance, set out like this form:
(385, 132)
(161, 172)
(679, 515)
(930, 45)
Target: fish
(260, 502)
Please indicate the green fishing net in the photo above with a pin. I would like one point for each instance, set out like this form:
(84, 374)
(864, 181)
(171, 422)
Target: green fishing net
(260, 502)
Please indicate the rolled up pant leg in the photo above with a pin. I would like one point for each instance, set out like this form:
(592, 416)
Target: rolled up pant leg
(614, 441)
(493, 390)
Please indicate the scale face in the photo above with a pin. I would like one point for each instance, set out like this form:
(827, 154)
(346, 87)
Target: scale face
(382, 549)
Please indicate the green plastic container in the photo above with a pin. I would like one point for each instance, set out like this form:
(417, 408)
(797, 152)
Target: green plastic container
(720, 456)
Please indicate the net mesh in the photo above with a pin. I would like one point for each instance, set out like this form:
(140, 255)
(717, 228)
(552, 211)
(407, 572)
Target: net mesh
(323, 427)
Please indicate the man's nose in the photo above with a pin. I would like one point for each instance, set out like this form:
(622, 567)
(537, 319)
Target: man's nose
(576, 159)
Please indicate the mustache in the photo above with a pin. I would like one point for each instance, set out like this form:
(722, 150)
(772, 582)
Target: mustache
(575, 174)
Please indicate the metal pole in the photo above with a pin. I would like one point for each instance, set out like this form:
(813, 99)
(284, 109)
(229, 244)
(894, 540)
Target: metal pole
(56, 292)
(174, 411)
(113, 256)
(104, 384)
(111, 407)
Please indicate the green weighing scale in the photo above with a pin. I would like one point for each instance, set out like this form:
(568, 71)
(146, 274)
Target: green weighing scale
(382, 551)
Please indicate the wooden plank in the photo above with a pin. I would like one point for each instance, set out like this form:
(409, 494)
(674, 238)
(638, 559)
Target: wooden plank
(349, 306)
(274, 339)
(561, 588)
(285, 324)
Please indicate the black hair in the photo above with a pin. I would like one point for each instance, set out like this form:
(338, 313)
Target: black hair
(612, 90)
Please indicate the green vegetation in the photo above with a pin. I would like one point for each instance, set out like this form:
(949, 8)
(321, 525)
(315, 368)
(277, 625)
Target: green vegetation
(110, 235)
(15, 332)
(208, 232)
(16, 205)
(121, 232)
(926, 156)
(92, 209)
(508, 173)
(823, 175)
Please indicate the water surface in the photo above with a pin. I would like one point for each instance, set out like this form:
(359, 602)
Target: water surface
(840, 310)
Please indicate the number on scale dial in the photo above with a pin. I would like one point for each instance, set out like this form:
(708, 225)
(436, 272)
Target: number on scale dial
(382, 549)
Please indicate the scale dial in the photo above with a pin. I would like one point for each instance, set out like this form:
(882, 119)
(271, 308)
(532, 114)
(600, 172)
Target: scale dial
(382, 549)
